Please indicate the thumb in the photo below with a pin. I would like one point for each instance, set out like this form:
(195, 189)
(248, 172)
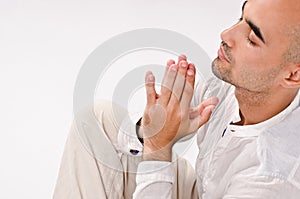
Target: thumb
(206, 108)
(199, 118)
(150, 88)
(206, 113)
(202, 113)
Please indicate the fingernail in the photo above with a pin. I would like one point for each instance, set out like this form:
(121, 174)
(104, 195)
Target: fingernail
(174, 67)
(183, 64)
(215, 100)
(190, 72)
(150, 78)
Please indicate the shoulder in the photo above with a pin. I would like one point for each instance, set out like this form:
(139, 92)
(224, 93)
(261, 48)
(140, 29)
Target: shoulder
(279, 149)
(261, 187)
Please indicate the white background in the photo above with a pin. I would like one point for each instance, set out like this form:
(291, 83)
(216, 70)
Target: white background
(42, 47)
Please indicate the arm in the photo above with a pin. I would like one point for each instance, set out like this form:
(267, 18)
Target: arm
(167, 118)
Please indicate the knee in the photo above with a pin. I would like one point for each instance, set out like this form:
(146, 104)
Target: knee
(110, 117)
(97, 127)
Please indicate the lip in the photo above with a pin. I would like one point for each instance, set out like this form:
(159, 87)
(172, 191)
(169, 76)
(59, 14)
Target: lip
(222, 55)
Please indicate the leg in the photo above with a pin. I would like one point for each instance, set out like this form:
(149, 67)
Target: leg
(91, 166)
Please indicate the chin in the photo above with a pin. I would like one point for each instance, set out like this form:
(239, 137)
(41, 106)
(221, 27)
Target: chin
(220, 72)
(216, 69)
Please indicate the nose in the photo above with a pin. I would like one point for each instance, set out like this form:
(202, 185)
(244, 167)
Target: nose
(229, 36)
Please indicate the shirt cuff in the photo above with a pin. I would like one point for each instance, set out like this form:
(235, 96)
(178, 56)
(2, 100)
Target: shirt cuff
(159, 171)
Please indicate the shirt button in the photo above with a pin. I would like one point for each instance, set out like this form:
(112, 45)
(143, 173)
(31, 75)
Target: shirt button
(134, 152)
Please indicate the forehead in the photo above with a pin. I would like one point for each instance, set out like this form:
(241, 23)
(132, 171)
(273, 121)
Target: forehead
(273, 17)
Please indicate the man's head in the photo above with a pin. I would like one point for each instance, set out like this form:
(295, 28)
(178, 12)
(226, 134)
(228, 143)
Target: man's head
(261, 52)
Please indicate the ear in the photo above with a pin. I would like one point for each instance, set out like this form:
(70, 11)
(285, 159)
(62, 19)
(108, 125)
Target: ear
(292, 77)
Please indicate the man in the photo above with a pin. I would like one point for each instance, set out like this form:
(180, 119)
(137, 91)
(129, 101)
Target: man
(248, 148)
(257, 155)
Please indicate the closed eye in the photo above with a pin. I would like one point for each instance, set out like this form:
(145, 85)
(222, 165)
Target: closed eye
(252, 43)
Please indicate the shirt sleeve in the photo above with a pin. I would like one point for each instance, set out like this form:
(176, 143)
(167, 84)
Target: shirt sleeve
(154, 179)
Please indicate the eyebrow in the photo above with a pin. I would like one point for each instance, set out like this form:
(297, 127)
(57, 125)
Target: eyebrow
(256, 30)
(253, 27)
(244, 6)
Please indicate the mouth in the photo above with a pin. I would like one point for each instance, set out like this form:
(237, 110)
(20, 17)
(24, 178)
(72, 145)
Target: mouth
(221, 55)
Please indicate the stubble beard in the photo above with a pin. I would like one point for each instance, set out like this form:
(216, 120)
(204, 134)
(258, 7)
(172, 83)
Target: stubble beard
(242, 93)
(254, 90)
(221, 72)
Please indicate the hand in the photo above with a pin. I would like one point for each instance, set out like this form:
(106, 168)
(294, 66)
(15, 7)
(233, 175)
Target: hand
(168, 116)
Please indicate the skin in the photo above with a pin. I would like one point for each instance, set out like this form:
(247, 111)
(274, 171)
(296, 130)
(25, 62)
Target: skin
(266, 80)
(168, 116)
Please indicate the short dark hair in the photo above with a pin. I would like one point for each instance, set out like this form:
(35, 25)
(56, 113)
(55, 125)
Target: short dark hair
(292, 54)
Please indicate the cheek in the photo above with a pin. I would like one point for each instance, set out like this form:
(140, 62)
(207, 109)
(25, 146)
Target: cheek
(255, 76)
(265, 57)
(250, 68)
(250, 55)
(248, 62)
(256, 59)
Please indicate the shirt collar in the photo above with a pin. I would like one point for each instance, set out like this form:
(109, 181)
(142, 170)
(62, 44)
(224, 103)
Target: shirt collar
(256, 129)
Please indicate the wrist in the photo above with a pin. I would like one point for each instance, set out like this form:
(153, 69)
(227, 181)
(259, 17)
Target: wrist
(154, 153)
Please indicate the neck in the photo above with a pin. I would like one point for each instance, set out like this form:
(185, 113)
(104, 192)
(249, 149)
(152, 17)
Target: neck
(256, 107)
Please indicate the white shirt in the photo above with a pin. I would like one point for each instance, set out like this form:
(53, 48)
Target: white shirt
(253, 161)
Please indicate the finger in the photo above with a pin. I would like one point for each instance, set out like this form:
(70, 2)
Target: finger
(167, 84)
(170, 62)
(191, 74)
(205, 115)
(179, 83)
(195, 112)
(210, 101)
(181, 58)
(202, 113)
(188, 90)
(150, 88)
(198, 121)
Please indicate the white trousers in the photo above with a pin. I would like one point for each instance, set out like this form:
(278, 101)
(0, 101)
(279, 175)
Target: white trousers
(92, 166)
